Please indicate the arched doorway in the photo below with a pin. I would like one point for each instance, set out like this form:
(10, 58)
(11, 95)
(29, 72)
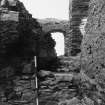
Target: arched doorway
(59, 39)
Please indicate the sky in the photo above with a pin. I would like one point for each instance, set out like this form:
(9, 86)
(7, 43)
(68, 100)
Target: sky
(48, 8)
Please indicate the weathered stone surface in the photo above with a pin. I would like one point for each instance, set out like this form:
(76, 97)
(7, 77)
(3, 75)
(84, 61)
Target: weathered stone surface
(13, 29)
(18, 37)
(77, 89)
(93, 48)
(78, 10)
(21, 39)
(93, 42)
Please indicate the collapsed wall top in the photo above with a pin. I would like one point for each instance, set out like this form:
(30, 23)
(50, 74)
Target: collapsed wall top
(12, 10)
(18, 30)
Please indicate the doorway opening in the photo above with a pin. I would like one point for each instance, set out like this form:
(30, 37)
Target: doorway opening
(59, 39)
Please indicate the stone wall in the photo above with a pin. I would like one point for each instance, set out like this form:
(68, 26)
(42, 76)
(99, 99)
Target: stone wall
(93, 41)
(21, 38)
(19, 33)
(78, 10)
(93, 47)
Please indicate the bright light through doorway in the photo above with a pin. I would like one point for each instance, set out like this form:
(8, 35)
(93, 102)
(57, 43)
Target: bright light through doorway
(59, 39)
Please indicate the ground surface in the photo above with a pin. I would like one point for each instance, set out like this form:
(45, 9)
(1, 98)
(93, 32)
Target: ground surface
(54, 87)
(67, 86)
(57, 87)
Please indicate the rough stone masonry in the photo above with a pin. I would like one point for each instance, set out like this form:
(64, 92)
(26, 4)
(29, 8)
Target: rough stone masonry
(78, 10)
(93, 45)
(18, 35)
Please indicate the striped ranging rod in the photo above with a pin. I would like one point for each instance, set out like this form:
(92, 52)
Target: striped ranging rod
(36, 80)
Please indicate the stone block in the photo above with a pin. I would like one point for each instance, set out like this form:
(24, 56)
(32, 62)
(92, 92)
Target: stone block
(10, 16)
